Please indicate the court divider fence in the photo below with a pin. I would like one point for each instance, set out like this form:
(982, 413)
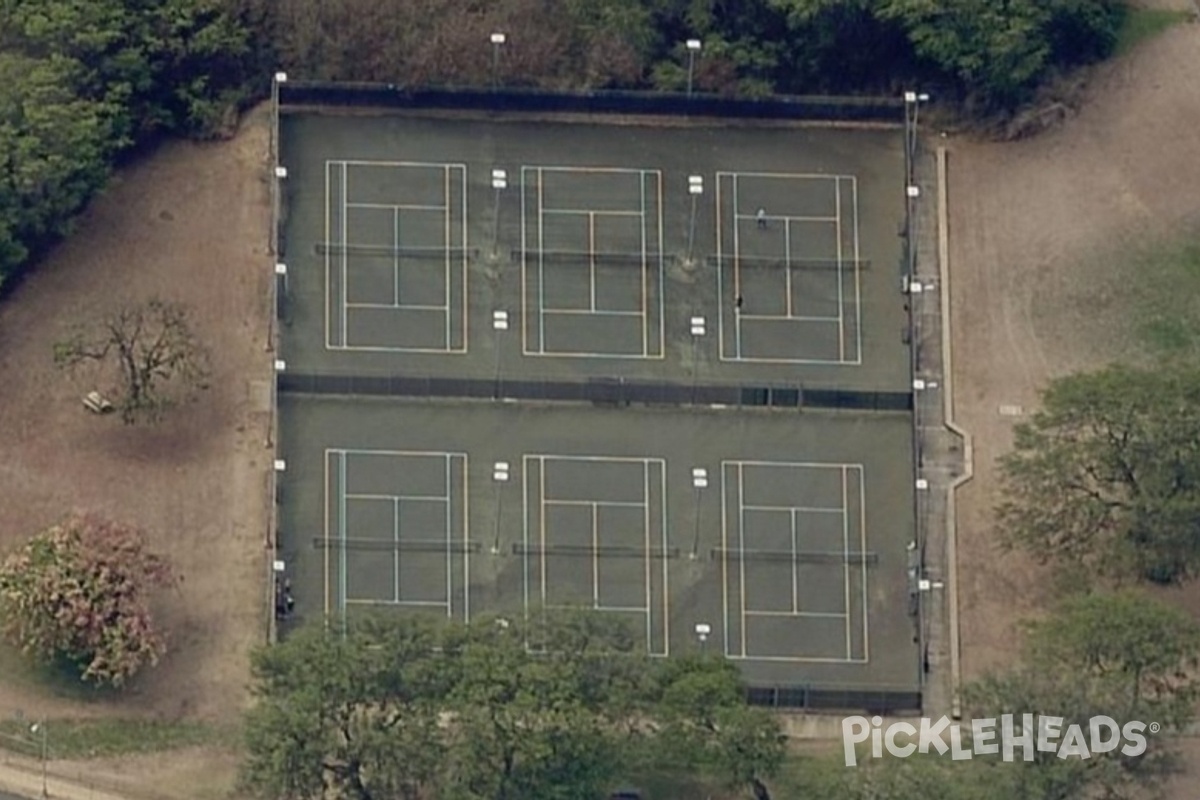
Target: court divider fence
(840, 109)
(828, 699)
(615, 392)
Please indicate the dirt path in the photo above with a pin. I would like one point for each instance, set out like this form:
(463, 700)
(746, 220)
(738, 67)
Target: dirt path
(188, 223)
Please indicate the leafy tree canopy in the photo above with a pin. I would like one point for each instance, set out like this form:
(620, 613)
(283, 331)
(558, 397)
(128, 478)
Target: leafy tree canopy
(1106, 477)
(80, 592)
(556, 709)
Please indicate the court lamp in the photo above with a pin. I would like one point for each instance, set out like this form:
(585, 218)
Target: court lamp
(699, 481)
(500, 475)
(693, 47)
(499, 325)
(703, 631)
(499, 183)
(695, 189)
(498, 40)
(40, 728)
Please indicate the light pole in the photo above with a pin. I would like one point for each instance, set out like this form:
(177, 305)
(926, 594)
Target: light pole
(703, 630)
(699, 327)
(498, 40)
(40, 728)
(499, 183)
(699, 481)
(500, 475)
(912, 112)
(499, 325)
(693, 47)
(695, 189)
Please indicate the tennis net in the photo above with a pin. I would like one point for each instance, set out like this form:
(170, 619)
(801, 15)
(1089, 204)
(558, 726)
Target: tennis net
(586, 258)
(588, 551)
(615, 392)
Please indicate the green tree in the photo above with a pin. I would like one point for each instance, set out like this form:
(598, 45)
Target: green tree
(151, 347)
(356, 715)
(55, 149)
(79, 592)
(998, 51)
(1106, 477)
(542, 709)
(706, 724)
(1117, 655)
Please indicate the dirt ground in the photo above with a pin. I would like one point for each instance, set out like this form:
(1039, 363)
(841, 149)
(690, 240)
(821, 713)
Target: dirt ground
(188, 223)
(1030, 225)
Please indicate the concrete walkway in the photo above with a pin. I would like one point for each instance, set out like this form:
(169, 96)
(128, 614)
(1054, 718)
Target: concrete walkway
(21, 779)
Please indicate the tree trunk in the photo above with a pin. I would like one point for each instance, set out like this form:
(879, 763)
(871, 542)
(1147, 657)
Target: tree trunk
(760, 789)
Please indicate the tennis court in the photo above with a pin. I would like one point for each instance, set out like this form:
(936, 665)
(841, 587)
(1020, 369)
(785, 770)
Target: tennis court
(551, 251)
(793, 550)
(570, 268)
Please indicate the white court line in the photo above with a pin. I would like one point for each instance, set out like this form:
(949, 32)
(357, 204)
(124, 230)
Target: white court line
(328, 281)
(724, 559)
(737, 279)
(587, 211)
(541, 221)
(595, 555)
(395, 257)
(662, 276)
(591, 170)
(542, 512)
(795, 564)
(398, 206)
(399, 307)
(409, 497)
(862, 540)
(416, 164)
(345, 294)
(785, 218)
(583, 312)
(787, 175)
(465, 472)
(464, 273)
(846, 564)
(341, 473)
(396, 550)
(803, 509)
(801, 614)
(613, 503)
(646, 553)
(807, 464)
(741, 493)
(720, 275)
(449, 544)
(857, 281)
(362, 601)
(645, 292)
(837, 204)
(787, 264)
(592, 261)
(798, 660)
(446, 244)
(784, 318)
(628, 609)
(666, 586)
(326, 548)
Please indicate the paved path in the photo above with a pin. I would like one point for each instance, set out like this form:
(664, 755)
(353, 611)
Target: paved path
(21, 779)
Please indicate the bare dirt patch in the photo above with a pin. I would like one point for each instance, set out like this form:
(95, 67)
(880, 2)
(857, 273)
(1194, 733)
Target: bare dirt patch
(188, 223)
(1034, 226)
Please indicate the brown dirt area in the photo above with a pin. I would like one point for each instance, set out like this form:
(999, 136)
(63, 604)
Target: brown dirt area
(187, 223)
(1030, 224)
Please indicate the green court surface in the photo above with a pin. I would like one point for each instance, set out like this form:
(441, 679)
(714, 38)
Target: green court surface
(516, 251)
